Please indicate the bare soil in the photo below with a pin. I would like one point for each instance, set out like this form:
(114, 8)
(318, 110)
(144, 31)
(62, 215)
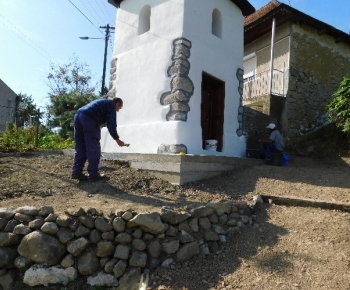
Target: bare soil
(287, 248)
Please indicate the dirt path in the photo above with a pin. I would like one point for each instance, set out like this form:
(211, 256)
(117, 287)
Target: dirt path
(287, 248)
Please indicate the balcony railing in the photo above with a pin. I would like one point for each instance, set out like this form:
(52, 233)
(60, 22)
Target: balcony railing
(258, 85)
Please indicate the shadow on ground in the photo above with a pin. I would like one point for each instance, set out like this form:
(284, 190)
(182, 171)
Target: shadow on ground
(206, 272)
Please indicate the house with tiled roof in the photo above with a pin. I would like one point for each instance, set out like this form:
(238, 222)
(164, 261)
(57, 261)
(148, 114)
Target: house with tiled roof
(309, 60)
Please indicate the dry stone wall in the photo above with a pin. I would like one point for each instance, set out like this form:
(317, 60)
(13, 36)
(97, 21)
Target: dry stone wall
(112, 250)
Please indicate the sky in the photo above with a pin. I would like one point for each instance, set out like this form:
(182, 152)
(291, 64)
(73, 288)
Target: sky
(37, 33)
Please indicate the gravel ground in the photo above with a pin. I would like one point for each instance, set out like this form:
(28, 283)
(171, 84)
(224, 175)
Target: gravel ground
(287, 248)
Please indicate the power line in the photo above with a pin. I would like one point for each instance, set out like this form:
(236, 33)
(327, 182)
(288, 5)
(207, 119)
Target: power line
(103, 18)
(103, 12)
(85, 16)
(104, 6)
(88, 10)
(36, 47)
(111, 45)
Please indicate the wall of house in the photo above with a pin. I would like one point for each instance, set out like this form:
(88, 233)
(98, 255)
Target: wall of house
(158, 75)
(260, 107)
(317, 66)
(259, 86)
(7, 105)
(262, 48)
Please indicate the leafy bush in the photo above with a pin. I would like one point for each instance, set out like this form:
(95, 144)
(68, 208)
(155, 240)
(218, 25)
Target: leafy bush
(54, 141)
(339, 107)
(17, 139)
(20, 139)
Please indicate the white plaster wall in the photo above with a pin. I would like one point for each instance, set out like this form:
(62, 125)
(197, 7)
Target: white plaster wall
(219, 57)
(142, 66)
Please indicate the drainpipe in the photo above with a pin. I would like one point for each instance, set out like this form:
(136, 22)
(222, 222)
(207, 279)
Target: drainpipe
(272, 52)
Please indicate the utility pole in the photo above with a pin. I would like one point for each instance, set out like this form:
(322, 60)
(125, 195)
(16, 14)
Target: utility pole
(107, 35)
(37, 129)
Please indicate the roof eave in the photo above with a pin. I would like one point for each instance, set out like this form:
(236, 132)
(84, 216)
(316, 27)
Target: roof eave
(115, 3)
(244, 5)
(284, 14)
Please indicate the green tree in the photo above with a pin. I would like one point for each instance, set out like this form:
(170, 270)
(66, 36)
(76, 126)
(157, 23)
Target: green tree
(63, 109)
(339, 107)
(26, 110)
(71, 77)
(70, 89)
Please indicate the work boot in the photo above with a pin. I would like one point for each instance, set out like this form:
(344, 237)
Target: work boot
(98, 177)
(79, 176)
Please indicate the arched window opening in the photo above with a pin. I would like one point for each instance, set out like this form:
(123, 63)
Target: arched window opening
(216, 24)
(145, 19)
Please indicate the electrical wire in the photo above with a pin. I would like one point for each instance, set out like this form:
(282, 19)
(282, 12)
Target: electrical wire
(103, 18)
(112, 20)
(88, 10)
(111, 45)
(85, 16)
(104, 6)
(26, 39)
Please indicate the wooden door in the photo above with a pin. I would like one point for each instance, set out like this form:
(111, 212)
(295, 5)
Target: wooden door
(212, 110)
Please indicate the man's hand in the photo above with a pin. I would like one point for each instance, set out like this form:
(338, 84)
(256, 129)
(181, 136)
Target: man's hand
(120, 142)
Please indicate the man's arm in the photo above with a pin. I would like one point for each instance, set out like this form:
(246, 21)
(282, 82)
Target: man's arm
(265, 140)
(120, 142)
(270, 140)
(112, 123)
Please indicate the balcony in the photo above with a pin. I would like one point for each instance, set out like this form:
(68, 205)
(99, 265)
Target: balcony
(258, 85)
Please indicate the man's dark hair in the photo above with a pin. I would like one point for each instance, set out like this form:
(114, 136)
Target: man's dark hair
(117, 100)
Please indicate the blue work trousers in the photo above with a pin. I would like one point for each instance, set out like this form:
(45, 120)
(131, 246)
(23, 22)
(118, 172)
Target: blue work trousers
(87, 135)
(269, 148)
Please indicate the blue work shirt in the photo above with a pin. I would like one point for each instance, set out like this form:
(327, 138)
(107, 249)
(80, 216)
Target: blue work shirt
(102, 111)
(277, 139)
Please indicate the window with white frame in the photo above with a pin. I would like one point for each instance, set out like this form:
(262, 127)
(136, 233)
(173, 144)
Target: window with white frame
(249, 64)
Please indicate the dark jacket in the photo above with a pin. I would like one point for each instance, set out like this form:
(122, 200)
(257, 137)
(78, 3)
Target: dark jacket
(102, 111)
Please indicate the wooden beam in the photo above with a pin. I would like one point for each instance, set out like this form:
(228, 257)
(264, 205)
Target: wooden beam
(339, 39)
(304, 202)
(322, 31)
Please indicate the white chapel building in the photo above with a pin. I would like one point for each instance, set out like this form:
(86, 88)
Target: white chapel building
(178, 66)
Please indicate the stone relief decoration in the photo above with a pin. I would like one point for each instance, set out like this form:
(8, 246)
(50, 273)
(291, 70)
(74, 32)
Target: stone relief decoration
(181, 85)
(112, 92)
(239, 75)
(181, 90)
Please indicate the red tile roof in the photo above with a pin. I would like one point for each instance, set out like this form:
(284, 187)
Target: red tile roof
(261, 12)
(260, 22)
